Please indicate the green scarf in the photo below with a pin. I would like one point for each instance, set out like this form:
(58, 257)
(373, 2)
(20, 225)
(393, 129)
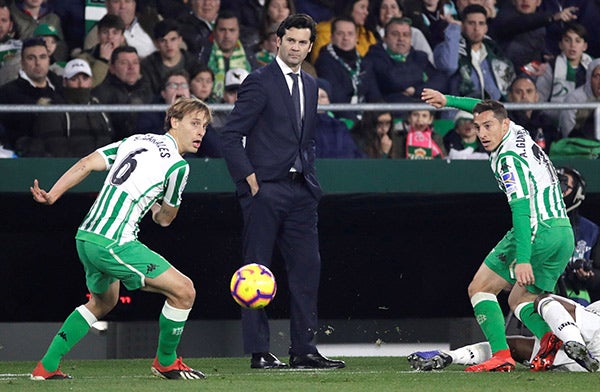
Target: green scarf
(216, 62)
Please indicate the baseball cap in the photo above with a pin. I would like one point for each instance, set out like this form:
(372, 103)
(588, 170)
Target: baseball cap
(45, 29)
(462, 115)
(76, 66)
(234, 77)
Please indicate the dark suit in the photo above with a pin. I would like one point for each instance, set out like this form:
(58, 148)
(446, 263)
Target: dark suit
(284, 211)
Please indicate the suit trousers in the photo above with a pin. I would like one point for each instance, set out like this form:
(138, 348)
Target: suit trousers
(284, 213)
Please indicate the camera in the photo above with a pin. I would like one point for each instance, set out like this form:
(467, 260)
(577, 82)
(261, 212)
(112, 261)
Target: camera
(576, 264)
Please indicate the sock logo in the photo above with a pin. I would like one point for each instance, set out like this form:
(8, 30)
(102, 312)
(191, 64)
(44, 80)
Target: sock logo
(63, 335)
(481, 318)
(177, 331)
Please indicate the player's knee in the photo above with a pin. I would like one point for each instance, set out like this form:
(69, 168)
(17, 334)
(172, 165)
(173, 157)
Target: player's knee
(186, 293)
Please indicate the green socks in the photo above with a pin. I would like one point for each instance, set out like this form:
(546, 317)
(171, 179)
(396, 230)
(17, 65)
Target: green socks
(71, 332)
(171, 323)
(531, 319)
(490, 318)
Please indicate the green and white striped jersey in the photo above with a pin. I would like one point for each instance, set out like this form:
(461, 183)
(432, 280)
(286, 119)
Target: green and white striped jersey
(523, 170)
(143, 169)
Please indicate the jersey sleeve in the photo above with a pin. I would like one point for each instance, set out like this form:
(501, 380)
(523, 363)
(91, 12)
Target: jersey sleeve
(109, 153)
(513, 173)
(462, 103)
(176, 181)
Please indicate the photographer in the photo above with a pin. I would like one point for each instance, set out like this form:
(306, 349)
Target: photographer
(581, 279)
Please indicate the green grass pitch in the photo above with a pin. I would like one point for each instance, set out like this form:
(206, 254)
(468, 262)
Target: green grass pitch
(234, 374)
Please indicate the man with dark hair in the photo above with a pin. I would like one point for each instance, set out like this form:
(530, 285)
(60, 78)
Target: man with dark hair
(533, 254)
(474, 62)
(169, 57)
(36, 84)
(10, 46)
(110, 36)
(278, 190)
(226, 51)
(124, 85)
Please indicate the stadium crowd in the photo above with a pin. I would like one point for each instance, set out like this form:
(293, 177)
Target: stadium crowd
(366, 51)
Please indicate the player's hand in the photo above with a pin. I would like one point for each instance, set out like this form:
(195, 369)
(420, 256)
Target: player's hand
(524, 274)
(434, 98)
(40, 195)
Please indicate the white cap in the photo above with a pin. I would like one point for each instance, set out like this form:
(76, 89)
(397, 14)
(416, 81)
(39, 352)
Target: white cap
(462, 115)
(235, 77)
(76, 66)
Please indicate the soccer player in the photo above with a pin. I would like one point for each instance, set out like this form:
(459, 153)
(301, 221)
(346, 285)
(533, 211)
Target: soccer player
(146, 173)
(533, 254)
(583, 323)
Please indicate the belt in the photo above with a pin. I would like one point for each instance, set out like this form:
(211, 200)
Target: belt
(295, 176)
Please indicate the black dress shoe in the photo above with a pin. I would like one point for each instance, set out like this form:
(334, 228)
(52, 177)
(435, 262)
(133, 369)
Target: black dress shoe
(266, 361)
(315, 361)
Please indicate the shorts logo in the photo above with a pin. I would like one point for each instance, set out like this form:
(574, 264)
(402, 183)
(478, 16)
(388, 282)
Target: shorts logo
(150, 268)
(509, 182)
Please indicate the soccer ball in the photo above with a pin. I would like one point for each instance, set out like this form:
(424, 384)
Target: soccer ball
(253, 286)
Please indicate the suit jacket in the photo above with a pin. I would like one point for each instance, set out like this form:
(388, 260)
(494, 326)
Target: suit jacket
(263, 113)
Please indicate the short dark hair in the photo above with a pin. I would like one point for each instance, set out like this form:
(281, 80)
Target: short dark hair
(473, 9)
(164, 27)
(298, 21)
(121, 49)
(577, 28)
(520, 77)
(33, 41)
(496, 107)
(110, 21)
(226, 14)
(341, 19)
(201, 67)
(176, 72)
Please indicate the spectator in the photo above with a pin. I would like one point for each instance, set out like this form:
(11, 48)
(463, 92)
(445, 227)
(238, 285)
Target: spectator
(341, 65)
(429, 16)
(420, 141)
(28, 14)
(581, 279)
(567, 71)
(233, 80)
(50, 35)
(138, 27)
(10, 47)
(71, 134)
(36, 84)
(332, 136)
(174, 86)
(226, 51)
(267, 47)
(580, 122)
(124, 85)
(358, 10)
(201, 84)
(542, 128)
(169, 57)
(275, 12)
(462, 141)
(197, 25)
(382, 11)
(489, 5)
(520, 29)
(474, 63)
(398, 71)
(374, 135)
(110, 36)
(250, 13)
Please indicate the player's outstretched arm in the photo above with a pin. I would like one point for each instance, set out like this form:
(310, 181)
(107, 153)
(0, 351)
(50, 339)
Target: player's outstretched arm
(434, 98)
(77, 173)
